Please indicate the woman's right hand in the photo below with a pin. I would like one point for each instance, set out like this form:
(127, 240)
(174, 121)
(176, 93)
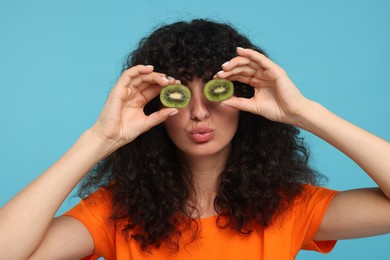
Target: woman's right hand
(122, 118)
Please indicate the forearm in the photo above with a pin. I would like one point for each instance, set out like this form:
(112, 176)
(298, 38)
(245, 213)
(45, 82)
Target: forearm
(370, 152)
(25, 219)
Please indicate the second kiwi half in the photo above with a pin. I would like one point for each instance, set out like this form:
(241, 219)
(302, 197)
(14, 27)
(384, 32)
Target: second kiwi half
(217, 90)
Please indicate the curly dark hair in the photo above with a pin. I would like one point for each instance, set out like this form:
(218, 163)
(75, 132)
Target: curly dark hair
(152, 187)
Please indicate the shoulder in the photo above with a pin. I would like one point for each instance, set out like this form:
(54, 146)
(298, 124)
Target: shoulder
(97, 205)
(312, 193)
(313, 199)
(95, 213)
(305, 216)
(102, 195)
(307, 209)
(310, 205)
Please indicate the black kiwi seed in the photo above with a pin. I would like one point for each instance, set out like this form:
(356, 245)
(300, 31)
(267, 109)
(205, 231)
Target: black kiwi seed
(217, 90)
(176, 95)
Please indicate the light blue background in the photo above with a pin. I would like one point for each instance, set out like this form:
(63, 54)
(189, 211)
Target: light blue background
(59, 59)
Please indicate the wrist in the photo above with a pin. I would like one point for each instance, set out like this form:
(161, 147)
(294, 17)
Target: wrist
(307, 117)
(105, 146)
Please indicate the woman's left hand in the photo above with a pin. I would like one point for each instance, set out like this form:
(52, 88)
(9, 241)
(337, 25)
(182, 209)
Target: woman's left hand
(275, 96)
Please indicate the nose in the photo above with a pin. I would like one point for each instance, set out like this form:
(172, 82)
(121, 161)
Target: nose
(199, 105)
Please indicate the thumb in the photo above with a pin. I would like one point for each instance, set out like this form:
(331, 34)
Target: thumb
(159, 117)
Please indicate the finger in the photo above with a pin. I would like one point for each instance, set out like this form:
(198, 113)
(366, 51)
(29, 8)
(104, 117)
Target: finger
(137, 84)
(133, 72)
(257, 57)
(172, 80)
(243, 104)
(244, 71)
(141, 76)
(144, 81)
(151, 92)
(240, 78)
(265, 68)
(239, 62)
(159, 117)
(250, 80)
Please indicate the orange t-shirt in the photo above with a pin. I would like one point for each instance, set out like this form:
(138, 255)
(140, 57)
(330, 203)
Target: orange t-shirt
(282, 240)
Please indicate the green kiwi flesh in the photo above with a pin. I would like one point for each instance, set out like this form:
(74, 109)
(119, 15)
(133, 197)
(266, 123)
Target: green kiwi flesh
(175, 95)
(217, 90)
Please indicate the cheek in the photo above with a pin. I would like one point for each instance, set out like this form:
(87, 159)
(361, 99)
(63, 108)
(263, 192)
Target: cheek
(227, 122)
(174, 125)
(229, 116)
(170, 126)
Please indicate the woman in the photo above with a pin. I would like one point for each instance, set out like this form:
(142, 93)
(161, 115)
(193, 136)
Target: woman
(224, 180)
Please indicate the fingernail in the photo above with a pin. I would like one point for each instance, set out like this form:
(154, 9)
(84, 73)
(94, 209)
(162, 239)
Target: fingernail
(219, 72)
(170, 78)
(226, 63)
(150, 66)
(174, 113)
(240, 48)
(165, 79)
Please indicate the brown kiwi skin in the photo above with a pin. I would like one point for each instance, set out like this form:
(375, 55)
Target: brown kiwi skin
(175, 88)
(213, 97)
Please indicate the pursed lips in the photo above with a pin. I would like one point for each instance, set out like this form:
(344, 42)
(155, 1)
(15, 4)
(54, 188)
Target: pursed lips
(201, 134)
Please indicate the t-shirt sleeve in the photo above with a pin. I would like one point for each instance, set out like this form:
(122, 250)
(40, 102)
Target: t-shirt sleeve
(309, 212)
(94, 213)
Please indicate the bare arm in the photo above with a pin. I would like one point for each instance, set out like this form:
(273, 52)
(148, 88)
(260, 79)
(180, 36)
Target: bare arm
(362, 212)
(66, 238)
(370, 152)
(27, 219)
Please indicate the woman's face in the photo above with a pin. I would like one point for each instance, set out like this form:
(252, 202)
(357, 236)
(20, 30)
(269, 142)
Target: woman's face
(202, 128)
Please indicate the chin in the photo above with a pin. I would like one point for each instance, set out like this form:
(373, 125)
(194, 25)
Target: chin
(205, 149)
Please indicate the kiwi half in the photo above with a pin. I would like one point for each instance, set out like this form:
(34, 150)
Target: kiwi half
(175, 95)
(217, 90)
